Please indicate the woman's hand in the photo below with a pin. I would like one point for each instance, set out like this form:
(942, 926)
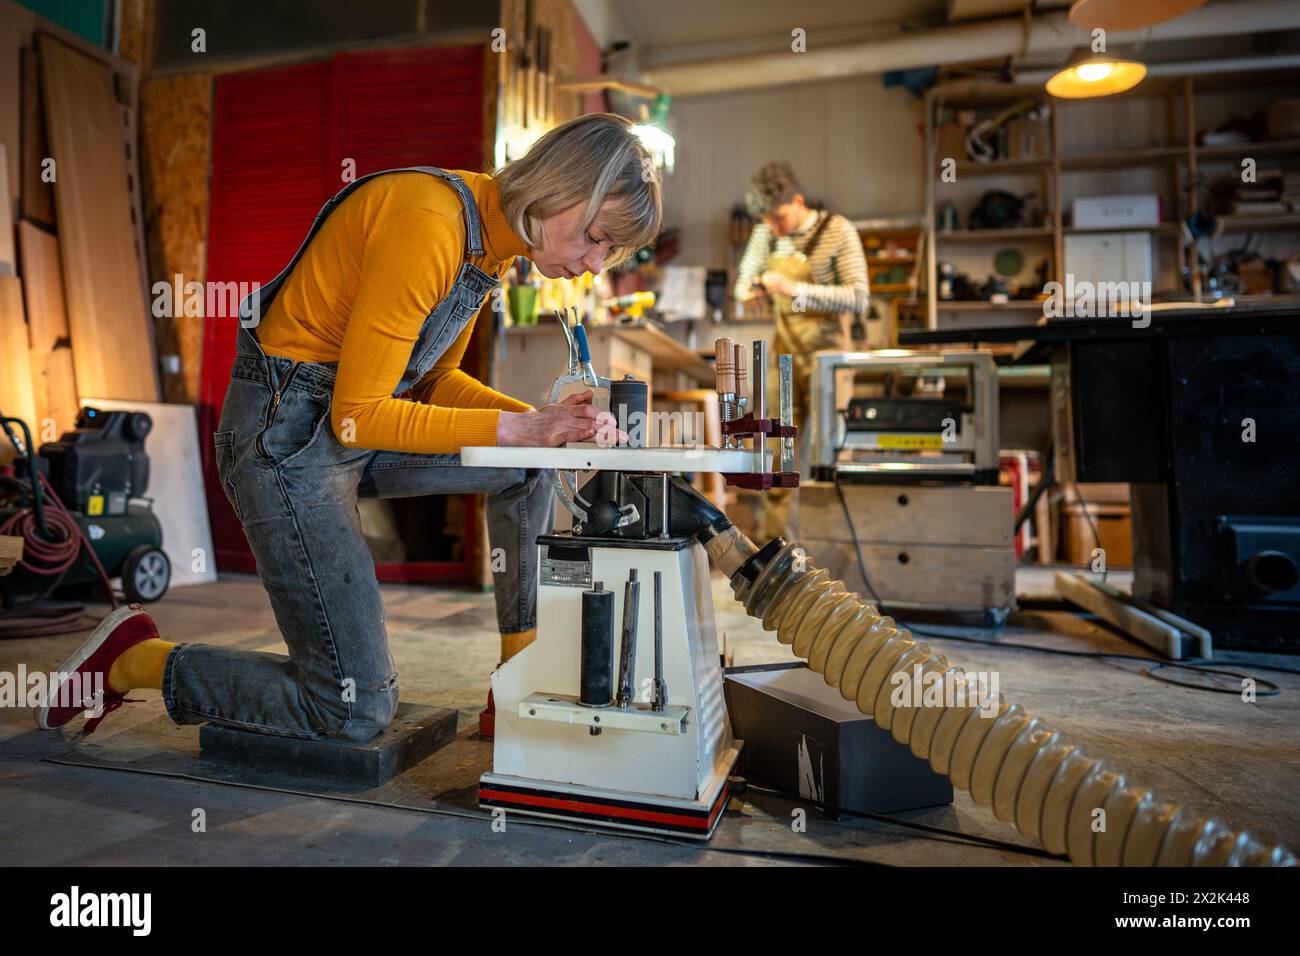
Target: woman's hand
(571, 419)
(777, 282)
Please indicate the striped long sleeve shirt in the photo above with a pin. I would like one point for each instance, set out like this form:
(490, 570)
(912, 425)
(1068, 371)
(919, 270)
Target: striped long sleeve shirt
(838, 264)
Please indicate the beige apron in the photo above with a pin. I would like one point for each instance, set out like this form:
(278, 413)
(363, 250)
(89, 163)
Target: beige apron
(799, 333)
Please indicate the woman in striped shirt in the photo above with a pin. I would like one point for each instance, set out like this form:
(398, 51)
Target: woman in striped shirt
(810, 261)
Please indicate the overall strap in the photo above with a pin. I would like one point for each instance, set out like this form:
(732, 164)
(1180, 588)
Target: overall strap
(473, 230)
(812, 240)
(816, 235)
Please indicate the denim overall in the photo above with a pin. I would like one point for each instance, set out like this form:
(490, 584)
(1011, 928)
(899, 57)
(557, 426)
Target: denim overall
(294, 487)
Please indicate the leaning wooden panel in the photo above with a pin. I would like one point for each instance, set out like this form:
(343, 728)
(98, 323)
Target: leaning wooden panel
(47, 316)
(112, 336)
(16, 396)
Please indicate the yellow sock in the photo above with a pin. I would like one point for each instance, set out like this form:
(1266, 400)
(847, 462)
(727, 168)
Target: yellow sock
(511, 644)
(140, 666)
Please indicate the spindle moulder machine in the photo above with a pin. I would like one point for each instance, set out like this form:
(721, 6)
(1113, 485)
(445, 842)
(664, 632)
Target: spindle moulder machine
(615, 714)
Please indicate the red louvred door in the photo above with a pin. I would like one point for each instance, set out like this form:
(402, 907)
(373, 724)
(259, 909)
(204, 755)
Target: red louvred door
(280, 141)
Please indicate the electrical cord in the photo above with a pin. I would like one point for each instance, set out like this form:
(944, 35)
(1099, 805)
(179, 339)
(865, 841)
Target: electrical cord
(1044, 482)
(515, 819)
(1083, 504)
(1263, 688)
(49, 556)
(968, 838)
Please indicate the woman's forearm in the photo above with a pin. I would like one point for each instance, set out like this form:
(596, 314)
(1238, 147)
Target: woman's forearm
(454, 388)
(396, 425)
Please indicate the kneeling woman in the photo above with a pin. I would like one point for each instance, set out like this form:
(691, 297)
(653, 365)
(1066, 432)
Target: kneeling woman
(349, 385)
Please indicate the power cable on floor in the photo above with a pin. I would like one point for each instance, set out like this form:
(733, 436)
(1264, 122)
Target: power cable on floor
(486, 818)
(969, 838)
(1263, 688)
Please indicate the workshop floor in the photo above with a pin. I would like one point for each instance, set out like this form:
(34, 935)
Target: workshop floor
(128, 794)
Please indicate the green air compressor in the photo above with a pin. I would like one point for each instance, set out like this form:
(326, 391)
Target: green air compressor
(79, 507)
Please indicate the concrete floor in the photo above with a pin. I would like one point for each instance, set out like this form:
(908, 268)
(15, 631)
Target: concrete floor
(128, 794)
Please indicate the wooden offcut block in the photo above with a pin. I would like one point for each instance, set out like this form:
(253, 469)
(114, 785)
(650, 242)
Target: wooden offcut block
(942, 546)
(416, 732)
(47, 313)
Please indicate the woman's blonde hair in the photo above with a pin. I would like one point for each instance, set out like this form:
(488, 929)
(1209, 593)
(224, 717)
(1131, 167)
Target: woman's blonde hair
(590, 160)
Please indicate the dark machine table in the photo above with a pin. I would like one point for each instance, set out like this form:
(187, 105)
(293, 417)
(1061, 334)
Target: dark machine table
(1200, 413)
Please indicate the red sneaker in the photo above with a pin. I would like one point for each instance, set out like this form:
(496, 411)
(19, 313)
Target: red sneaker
(83, 677)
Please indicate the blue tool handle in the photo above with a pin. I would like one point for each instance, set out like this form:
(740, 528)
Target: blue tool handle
(584, 353)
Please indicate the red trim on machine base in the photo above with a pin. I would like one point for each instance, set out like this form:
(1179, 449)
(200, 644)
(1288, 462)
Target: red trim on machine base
(617, 813)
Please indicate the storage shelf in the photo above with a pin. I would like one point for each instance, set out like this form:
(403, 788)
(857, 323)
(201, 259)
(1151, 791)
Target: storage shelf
(994, 235)
(1264, 147)
(1171, 228)
(1259, 223)
(999, 167)
(959, 305)
(1121, 158)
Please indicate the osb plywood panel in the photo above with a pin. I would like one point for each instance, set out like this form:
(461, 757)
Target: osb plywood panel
(37, 195)
(16, 398)
(47, 318)
(112, 337)
(176, 140)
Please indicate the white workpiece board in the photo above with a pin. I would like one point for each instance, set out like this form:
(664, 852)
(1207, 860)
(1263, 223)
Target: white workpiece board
(176, 486)
(590, 457)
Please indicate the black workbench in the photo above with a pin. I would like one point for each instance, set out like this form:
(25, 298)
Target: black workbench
(1199, 412)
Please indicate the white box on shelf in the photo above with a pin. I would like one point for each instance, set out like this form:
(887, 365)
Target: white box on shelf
(1109, 257)
(1117, 212)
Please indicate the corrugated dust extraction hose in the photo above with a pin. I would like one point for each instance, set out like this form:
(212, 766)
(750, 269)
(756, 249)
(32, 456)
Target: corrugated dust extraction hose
(1034, 777)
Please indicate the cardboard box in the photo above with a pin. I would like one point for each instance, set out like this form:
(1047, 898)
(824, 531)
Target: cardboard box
(1027, 139)
(1116, 212)
(802, 737)
(950, 140)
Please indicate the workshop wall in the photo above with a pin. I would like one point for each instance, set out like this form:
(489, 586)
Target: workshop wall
(854, 144)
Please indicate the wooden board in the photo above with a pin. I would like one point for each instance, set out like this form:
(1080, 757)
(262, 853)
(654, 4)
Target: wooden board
(8, 257)
(909, 514)
(11, 552)
(590, 457)
(112, 335)
(47, 317)
(922, 575)
(54, 385)
(16, 398)
(176, 487)
(37, 195)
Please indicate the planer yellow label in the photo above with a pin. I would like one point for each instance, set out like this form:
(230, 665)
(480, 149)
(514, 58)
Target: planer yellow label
(909, 441)
(95, 505)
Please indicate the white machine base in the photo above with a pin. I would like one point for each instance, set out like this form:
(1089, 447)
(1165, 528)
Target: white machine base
(694, 819)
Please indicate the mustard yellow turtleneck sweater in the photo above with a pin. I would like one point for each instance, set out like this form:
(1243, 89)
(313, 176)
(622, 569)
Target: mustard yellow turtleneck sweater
(379, 265)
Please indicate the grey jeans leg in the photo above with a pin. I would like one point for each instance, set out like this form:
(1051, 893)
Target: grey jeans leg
(520, 506)
(301, 521)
